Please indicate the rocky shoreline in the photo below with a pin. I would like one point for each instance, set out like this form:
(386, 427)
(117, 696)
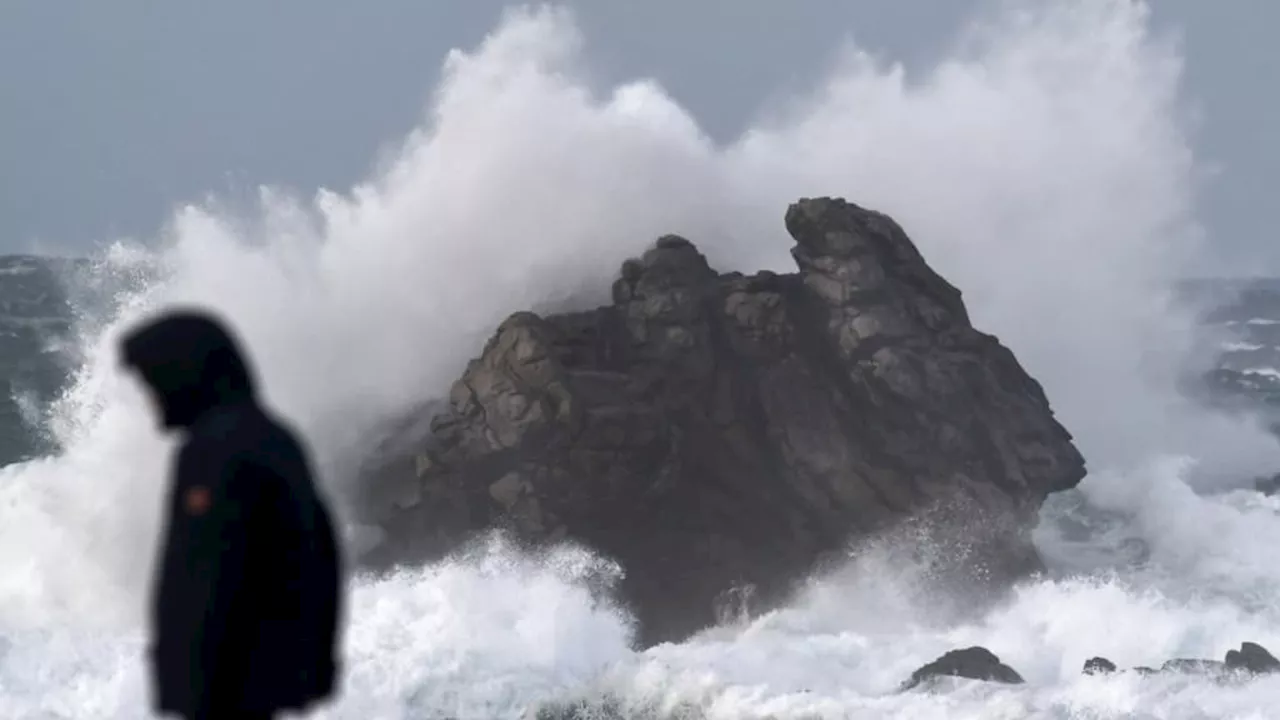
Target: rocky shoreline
(971, 664)
(979, 663)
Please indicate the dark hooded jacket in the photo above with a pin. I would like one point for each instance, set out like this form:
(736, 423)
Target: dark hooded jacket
(245, 605)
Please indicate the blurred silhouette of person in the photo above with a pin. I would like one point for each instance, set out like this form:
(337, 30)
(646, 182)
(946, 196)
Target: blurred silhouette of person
(246, 598)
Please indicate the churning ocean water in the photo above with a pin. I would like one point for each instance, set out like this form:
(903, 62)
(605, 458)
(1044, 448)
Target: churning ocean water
(1044, 168)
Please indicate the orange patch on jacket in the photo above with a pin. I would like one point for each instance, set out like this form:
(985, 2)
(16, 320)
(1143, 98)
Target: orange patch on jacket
(197, 500)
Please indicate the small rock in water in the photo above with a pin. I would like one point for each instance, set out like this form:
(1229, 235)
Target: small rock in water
(1252, 657)
(975, 663)
(1099, 666)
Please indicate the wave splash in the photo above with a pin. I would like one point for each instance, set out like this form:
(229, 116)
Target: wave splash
(1044, 168)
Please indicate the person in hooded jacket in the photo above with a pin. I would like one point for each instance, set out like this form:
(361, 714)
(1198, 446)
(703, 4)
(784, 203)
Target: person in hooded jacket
(247, 592)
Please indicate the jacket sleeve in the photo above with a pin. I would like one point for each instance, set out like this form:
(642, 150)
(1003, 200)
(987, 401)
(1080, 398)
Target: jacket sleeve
(226, 531)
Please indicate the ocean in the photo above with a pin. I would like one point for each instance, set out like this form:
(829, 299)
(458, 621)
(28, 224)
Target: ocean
(1045, 168)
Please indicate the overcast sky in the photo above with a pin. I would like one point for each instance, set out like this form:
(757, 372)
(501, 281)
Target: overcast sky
(111, 112)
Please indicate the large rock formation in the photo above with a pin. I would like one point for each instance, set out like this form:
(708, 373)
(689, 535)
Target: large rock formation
(715, 433)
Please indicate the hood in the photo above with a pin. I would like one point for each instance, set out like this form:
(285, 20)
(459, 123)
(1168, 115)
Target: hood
(192, 363)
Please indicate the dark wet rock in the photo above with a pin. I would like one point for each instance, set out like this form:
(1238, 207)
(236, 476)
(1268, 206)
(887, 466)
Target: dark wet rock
(1253, 658)
(1098, 666)
(975, 663)
(720, 434)
(1250, 659)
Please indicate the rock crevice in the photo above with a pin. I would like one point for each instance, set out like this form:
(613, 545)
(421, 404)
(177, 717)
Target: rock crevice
(712, 432)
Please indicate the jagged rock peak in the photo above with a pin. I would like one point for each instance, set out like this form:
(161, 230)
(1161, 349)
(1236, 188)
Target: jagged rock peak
(860, 251)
